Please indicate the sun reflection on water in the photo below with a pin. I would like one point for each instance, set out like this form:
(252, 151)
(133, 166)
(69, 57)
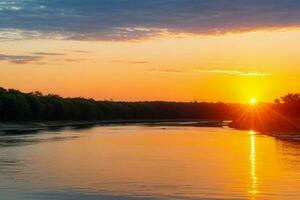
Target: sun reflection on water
(253, 163)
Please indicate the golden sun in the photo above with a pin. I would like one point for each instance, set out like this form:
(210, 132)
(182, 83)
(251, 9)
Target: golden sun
(253, 101)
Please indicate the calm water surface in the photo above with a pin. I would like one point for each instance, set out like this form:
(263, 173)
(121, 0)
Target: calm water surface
(148, 162)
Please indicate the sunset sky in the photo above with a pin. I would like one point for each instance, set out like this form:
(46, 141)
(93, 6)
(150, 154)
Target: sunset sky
(179, 50)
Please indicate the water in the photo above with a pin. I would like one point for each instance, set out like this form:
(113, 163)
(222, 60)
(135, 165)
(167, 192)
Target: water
(148, 162)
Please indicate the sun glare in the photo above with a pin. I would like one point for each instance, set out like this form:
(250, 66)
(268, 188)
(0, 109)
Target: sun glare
(253, 101)
(252, 132)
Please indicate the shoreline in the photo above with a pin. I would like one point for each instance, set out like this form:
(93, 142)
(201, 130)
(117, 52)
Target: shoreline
(273, 126)
(36, 126)
(32, 127)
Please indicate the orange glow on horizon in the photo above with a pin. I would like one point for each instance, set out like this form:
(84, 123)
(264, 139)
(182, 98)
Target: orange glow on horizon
(231, 68)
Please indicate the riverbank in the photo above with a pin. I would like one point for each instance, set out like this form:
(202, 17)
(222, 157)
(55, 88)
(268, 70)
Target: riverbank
(29, 127)
(273, 125)
(278, 131)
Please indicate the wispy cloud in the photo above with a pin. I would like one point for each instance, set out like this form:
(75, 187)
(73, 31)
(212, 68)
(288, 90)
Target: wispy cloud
(233, 72)
(136, 19)
(211, 71)
(79, 51)
(48, 54)
(68, 59)
(34, 57)
(134, 62)
(19, 59)
(166, 70)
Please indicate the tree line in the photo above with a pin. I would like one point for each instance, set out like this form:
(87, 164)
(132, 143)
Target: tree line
(34, 106)
(288, 105)
(283, 116)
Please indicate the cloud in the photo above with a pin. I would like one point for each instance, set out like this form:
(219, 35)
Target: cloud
(68, 60)
(166, 70)
(212, 71)
(136, 19)
(35, 57)
(233, 72)
(130, 61)
(48, 54)
(19, 59)
(79, 51)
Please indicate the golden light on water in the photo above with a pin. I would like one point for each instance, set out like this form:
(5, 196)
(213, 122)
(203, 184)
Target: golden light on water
(252, 132)
(231, 167)
(253, 163)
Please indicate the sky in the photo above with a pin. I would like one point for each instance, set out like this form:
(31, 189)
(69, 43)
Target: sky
(136, 50)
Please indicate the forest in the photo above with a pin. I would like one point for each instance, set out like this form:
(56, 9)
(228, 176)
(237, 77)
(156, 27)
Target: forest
(16, 106)
(34, 106)
(282, 116)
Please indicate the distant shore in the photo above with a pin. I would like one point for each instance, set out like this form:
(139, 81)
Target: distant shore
(37, 126)
(270, 126)
(28, 127)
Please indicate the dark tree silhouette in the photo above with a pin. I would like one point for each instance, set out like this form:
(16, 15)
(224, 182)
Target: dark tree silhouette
(283, 114)
(18, 106)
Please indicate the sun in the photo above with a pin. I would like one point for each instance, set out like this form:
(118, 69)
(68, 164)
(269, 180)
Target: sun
(253, 101)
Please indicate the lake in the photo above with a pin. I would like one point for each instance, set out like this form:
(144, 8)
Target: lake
(148, 162)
